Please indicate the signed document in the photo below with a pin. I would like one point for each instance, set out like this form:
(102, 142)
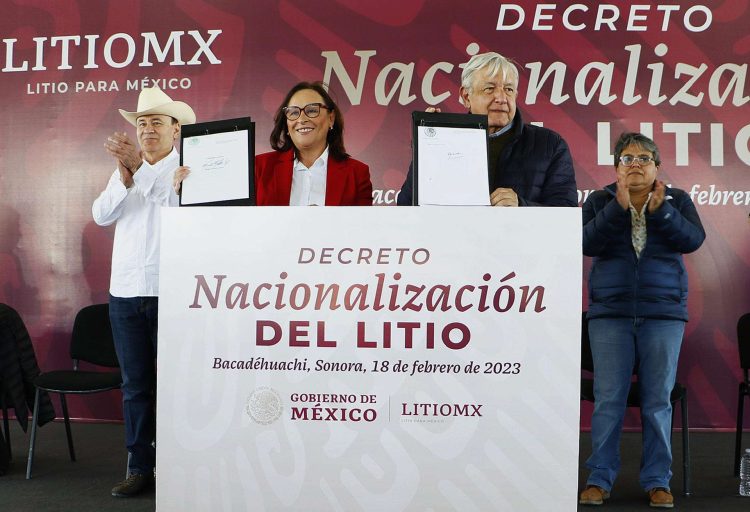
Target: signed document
(218, 167)
(452, 166)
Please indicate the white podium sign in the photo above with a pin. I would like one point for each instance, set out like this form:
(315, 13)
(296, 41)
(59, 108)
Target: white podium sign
(369, 359)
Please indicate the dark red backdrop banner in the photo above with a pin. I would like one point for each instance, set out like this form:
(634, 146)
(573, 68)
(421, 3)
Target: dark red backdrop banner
(675, 70)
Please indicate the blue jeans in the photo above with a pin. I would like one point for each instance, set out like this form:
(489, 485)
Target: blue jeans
(134, 322)
(616, 345)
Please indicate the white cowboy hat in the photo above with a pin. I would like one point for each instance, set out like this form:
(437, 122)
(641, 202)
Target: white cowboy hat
(153, 100)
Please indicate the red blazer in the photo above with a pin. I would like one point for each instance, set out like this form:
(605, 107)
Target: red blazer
(347, 183)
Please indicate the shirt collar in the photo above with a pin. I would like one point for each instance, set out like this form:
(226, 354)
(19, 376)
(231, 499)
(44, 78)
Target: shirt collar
(321, 162)
(643, 208)
(167, 159)
(503, 129)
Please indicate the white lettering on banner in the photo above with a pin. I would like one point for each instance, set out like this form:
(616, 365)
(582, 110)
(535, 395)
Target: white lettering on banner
(403, 81)
(107, 85)
(64, 47)
(701, 195)
(716, 197)
(576, 17)
(124, 45)
(594, 82)
(108, 50)
(682, 134)
(96, 86)
(162, 83)
(429, 76)
(387, 196)
(47, 88)
(732, 76)
(150, 41)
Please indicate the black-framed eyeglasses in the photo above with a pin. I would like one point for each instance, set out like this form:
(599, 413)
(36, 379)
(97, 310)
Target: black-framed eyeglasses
(311, 110)
(630, 160)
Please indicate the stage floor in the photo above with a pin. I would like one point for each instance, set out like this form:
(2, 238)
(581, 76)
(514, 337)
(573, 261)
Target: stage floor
(83, 486)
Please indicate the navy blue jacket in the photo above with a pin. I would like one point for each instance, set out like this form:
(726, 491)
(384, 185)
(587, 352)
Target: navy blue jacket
(654, 286)
(536, 164)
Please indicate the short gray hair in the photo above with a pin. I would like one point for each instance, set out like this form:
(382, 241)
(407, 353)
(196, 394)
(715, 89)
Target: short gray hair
(637, 139)
(495, 64)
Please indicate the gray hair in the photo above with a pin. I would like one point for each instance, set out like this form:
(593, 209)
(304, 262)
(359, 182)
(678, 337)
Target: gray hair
(495, 64)
(640, 140)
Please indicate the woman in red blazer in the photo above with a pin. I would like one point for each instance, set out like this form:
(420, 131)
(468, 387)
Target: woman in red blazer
(310, 165)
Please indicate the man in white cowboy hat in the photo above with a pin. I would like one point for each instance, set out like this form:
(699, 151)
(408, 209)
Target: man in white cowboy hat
(135, 193)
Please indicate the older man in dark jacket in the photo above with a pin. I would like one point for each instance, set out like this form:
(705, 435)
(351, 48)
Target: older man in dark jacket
(528, 165)
(637, 230)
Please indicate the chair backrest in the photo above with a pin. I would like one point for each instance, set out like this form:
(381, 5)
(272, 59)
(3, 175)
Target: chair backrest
(743, 340)
(587, 360)
(92, 340)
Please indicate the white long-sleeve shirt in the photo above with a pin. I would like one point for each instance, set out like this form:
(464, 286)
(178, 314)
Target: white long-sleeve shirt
(137, 211)
(309, 185)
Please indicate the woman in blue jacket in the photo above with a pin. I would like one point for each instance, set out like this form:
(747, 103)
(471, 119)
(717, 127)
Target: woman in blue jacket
(637, 230)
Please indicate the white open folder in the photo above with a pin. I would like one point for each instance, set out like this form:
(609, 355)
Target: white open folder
(450, 159)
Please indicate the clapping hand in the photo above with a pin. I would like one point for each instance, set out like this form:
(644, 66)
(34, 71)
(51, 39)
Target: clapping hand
(657, 196)
(123, 150)
(623, 192)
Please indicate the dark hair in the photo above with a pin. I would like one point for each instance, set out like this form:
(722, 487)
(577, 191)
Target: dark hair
(280, 140)
(640, 140)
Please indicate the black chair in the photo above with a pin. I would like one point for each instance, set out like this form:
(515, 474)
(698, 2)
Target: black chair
(743, 341)
(91, 341)
(679, 394)
(18, 369)
(6, 423)
(5, 453)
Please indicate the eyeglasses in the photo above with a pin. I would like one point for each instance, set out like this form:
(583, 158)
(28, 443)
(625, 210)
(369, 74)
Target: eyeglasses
(311, 110)
(630, 160)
